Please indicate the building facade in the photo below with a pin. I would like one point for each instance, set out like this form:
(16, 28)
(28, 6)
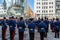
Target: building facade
(17, 8)
(2, 11)
(57, 8)
(44, 8)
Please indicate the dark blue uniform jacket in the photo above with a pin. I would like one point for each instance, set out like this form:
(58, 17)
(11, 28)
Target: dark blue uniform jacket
(12, 24)
(51, 23)
(42, 27)
(47, 23)
(31, 27)
(4, 24)
(56, 25)
(21, 26)
(37, 22)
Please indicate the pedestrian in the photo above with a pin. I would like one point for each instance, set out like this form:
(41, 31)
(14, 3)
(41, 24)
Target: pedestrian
(21, 28)
(37, 22)
(56, 27)
(31, 27)
(42, 29)
(46, 21)
(4, 28)
(12, 24)
(51, 24)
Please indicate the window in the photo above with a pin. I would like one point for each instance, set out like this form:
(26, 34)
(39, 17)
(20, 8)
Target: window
(45, 3)
(38, 7)
(45, 7)
(38, 14)
(50, 10)
(44, 11)
(38, 10)
(50, 2)
(38, 3)
(50, 6)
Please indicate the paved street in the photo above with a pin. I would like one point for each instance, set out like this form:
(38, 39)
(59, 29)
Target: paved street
(26, 36)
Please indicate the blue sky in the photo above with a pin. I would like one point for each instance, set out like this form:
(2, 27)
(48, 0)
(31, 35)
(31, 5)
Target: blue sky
(30, 2)
(1, 1)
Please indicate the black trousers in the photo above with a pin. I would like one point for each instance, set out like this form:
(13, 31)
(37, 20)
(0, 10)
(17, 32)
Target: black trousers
(12, 34)
(3, 34)
(56, 33)
(21, 35)
(45, 34)
(42, 34)
(31, 36)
